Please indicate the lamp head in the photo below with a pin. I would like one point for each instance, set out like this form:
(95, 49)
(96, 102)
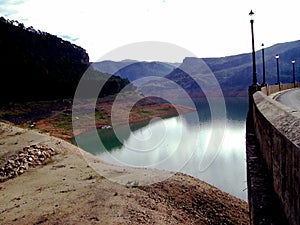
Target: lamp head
(251, 14)
(294, 61)
(277, 56)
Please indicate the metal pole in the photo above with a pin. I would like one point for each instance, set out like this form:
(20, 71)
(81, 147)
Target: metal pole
(253, 54)
(294, 77)
(264, 68)
(277, 61)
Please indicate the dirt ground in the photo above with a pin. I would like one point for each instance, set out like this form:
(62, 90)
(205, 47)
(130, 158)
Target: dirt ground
(67, 190)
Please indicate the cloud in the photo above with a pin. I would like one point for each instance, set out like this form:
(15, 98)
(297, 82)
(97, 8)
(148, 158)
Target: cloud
(69, 38)
(7, 8)
(11, 2)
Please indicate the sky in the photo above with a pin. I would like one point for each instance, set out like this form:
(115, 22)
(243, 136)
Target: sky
(211, 28)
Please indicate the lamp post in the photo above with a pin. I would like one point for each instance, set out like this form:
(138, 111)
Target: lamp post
(277, 62)
(294, 78)
(254, 79)
(264, 67)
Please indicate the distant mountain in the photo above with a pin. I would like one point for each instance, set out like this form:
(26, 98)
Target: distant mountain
(287, 52)
(174, 64)
(234, 73)
(36, 65)
(111, 67)
(144, 69)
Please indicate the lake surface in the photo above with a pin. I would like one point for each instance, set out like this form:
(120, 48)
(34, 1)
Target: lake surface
(213, 151)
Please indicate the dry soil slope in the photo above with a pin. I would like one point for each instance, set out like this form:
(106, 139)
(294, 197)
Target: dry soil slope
(67, 190)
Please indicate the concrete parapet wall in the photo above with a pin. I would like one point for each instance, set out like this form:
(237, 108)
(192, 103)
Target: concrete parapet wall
(288, 86)
(268, 90)
(277, 128)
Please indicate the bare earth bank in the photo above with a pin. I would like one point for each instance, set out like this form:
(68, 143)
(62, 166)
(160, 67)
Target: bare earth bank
(66, 190)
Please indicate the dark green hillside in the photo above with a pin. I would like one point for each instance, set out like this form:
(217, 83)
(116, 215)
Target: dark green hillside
(36, 65)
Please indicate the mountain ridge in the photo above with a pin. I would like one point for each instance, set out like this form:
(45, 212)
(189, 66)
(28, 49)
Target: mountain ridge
(144, 69)
(234, 72)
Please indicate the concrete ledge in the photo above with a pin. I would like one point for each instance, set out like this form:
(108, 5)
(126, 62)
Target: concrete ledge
(268, 90)
(277, 128)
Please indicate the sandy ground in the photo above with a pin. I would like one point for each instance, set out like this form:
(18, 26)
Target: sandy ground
(67, 190)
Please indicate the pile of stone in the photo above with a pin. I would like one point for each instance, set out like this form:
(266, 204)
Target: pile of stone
(30, 156)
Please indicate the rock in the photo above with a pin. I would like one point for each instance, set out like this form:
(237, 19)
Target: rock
(30, 156)
(133, 184)
(10, 161)
(26, 166)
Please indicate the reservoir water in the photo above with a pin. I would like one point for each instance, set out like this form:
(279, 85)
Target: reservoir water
(184, 144)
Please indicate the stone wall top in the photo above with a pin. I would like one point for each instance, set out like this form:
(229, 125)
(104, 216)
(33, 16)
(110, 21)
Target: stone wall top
(285, 119)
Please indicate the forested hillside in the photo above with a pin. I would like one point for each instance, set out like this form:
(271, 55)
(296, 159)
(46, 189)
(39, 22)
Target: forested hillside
(36, 65)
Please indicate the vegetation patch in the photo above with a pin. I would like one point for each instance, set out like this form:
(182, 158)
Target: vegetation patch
(144, 112)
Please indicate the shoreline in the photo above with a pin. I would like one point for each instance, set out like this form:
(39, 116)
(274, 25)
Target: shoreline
(133, 120)
(55, 117)
(76, 175)
(49, 191)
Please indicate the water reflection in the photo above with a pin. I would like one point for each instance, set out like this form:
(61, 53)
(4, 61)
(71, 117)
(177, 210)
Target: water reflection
(181, 144)
(166, 144)
(227, 171)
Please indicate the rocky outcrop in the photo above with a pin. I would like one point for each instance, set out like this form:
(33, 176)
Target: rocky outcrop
(30, 156)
